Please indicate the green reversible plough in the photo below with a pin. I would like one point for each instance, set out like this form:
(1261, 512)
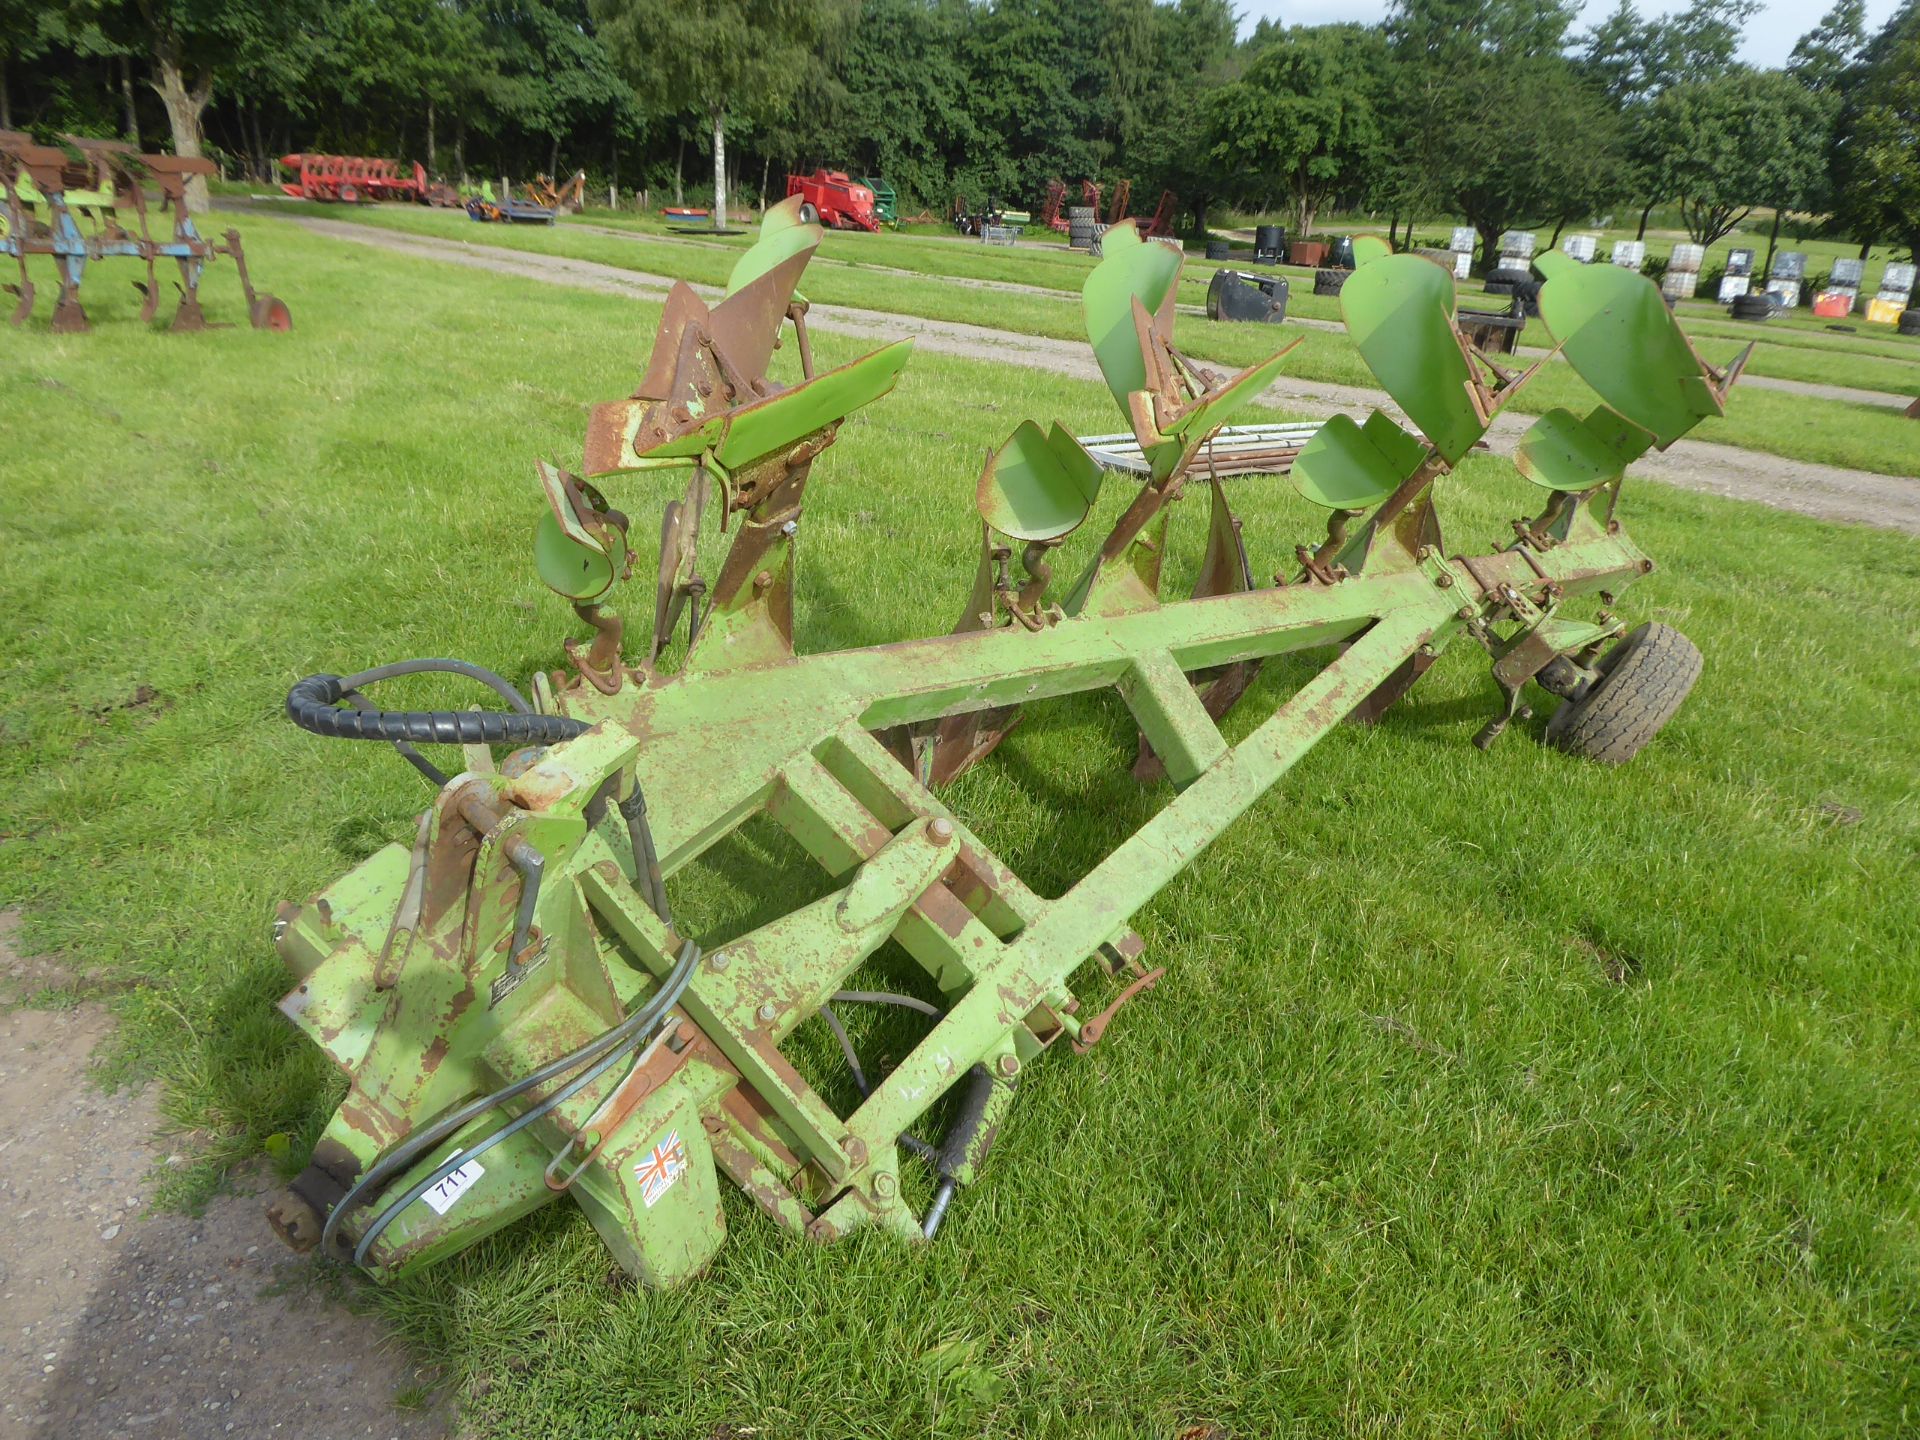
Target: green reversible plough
(520, 1012)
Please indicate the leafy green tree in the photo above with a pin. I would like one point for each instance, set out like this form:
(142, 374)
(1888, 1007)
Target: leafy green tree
(1493, 117)
(896, 103)
(1039, 71)
(1621, 55)
(1304, 118)
(1824, 56)
(722, 58)
(191, 42)
(1164, 145)
(554, 78)
(1876, 152)
(1701, 42)
(1726, 145)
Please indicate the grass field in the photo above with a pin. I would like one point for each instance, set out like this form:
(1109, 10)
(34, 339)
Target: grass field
(1851, 434)
(1487, 1092)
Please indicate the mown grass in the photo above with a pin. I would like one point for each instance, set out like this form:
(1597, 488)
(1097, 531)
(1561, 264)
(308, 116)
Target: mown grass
(1837, 432)
(1486, 1093)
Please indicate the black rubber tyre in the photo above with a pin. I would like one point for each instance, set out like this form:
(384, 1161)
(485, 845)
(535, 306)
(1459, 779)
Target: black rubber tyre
(1218, 249)
(1644, 680)
(1751, 307)
(1510, 275)
(1328, 282)
(1499, 287)
(809, 214)
(1910, 322)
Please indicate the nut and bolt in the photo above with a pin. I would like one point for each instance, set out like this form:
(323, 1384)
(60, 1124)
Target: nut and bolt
(1444, 581)
(1426, 650)
(719, 960)
(885, 1186)
(767, 1011)
(1465, 612)
(763, 580)
(941, 830)
(1008, 1066)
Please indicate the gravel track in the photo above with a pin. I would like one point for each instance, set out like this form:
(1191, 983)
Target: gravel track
(177, 1327)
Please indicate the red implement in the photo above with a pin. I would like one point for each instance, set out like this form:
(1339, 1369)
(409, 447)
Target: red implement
(834, 199)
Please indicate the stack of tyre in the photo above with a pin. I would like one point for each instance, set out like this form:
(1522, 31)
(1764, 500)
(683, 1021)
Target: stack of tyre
(1081, 229)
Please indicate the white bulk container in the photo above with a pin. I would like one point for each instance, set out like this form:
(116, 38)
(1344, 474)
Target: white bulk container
(1680, 284)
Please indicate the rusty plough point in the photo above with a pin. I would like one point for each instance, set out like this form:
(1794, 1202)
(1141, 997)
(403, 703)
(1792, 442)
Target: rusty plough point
(74, 202)
(521, 1012)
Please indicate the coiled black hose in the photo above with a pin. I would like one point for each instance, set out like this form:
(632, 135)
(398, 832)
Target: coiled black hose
(313, 705)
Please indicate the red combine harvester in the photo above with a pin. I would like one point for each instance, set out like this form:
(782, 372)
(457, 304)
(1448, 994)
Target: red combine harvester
(354, 179)
(834, 199)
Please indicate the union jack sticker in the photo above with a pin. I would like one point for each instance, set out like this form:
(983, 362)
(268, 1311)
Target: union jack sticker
(660, 1167)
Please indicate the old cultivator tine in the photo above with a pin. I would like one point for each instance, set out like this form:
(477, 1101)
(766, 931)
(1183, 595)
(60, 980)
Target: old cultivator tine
(520, 1013)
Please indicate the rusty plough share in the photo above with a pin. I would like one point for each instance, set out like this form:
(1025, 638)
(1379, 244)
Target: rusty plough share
(103, 183)
(520, 1012)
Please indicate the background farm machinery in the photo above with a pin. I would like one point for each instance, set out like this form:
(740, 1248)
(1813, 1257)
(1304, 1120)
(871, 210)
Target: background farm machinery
(361, 180)
(835, 199)
(82, 201)
(522, 1013)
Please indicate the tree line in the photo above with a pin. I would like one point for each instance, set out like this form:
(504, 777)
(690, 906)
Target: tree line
(1502, 112)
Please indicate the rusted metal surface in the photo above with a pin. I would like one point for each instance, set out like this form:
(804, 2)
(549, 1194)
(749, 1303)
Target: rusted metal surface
(82, 201)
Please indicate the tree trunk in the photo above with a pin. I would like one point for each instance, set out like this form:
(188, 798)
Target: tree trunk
(185, 105)
(1641, 233)
(126, 99)
(433, 167)
(265, 173)
(460, 147)
(1773, 240)
(1393, 230)
(719, 170)
(6, 98)
(679, 167)
(1866, 249)
(553, 161)
(1489, 246)
(766, 169)
(1558, 226)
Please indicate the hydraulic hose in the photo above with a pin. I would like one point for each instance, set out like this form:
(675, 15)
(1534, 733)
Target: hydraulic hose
(313, 705)
(609, 1043)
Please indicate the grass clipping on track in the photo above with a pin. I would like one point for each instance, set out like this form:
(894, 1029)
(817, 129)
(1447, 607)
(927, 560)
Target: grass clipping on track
(1485, 1092)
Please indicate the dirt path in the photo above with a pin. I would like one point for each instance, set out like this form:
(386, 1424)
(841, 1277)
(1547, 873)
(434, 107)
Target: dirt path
(1825, 492)
(121, 1323)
